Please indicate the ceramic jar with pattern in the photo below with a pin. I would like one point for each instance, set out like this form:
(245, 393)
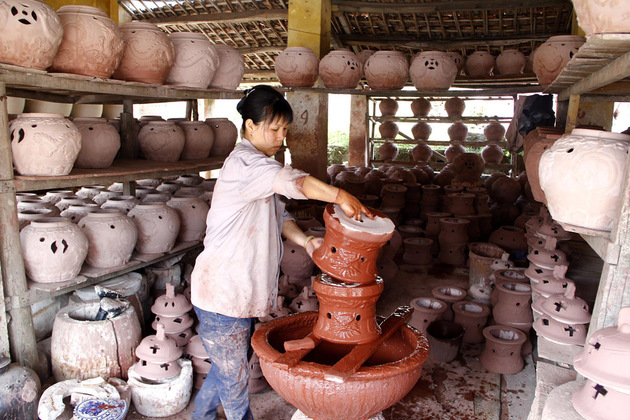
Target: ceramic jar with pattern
(161, 141)
(231, 68)
(432, 70)
(552, 56)
(511, 62)
(158, 227)
(195, 60)
(387, 70)
(100, 142)
(192, 213)
(111, 236)
(339, 69)
(297, 67)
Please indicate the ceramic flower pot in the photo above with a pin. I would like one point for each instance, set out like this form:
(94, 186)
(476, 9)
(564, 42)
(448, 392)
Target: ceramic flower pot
(511, 62)
(432, 70)
(198, 140)
(552, 56)
(455, 107)
(161, 141)
(420, 107)
(473, 317)
(44, 144)
(225, 136)
(100, 142)
(388, 107)
(192, 212)
(111, 238)
(339, 69)
(195, 60)
(158, 227)
(31, 33)
(421, 131)
(502, 353)
(480, 63)
(297, 67)
(229, 73)
(387, 70)
(92, 43)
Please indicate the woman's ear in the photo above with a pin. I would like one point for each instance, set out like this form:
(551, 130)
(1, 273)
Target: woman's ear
(249, 125)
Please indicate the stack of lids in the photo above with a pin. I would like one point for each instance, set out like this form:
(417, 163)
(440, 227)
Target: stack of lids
(158, 356)
(564, 317)
(171, 310)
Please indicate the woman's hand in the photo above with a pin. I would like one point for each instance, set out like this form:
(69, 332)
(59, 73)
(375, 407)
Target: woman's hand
(312, 244)
(351, 206)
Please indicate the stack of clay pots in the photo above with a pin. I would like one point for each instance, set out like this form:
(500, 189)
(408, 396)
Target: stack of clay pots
(171, 311)
(493, 153)
(457, 134)
(201, 364)
(453, 239)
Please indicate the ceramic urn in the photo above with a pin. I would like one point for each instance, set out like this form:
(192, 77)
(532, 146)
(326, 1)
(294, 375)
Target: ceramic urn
(231, 68)
(387, 70)
(432, 70)
(111, 236)
(339, 69)
(100, 142)
(161, 141)
(552, 56)
(195, 60)
(297, 67)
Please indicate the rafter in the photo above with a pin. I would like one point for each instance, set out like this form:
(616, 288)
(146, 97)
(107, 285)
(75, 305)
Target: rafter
(232, 17)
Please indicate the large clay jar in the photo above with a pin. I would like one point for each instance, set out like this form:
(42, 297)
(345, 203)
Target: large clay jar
(44, 144)
(339, 69)
(124, 203)
(225, 136)
(31, 33)
(455, 107)
(158, 226)
(502, 353)
(421, 152)
(297, 67)
(100, 142)
(421, 131)
(148, 55)
(195, 60)
(161, 141)
(231, 68)
(388, 130)
(388, 107)
(388, 70)
(54, 249)
(363, 56)
(534, 145)
(492, 153)
(199, 139)
(494, 131)
(111, 236)
(192, 213)
(511, 62)
(388, 151)
(420, 107)
(552, 56)
(457, 132)
(432, 70)
(473, 317)
(596, 160)
(600, 17)
(480, 63)
(92, 43)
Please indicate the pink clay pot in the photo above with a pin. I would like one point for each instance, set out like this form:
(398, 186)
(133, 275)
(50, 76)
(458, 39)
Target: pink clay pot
(297, 67)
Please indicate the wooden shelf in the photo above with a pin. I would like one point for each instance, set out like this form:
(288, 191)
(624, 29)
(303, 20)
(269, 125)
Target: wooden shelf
(502, 144)
(120, 171)
(440, 165)
(502, 91)
(445, 120)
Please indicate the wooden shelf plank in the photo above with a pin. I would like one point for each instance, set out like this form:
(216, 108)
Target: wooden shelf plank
(503, 144)
(446, 120)
(503, 91)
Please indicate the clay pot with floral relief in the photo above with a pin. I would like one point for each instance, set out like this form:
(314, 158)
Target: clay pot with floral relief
(339, 69)
(502, 352)
(195, 60)
(388, 70)
(111, 237)
(297, 67)
(455, 107)
(432, 71)
(158, 227)
(161, 141)
(553, 56)
(473, 317)
(510, 62)
(100, 142)
(480, 63)
(229, 73)
(420, 107)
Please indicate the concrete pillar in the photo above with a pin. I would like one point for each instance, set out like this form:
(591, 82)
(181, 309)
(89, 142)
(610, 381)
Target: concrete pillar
(357, 149)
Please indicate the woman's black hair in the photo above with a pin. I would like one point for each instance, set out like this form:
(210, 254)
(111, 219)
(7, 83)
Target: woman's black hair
(264, 103)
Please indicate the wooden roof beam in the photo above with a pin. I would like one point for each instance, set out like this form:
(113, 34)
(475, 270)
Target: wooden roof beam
(439, 44)
(236, 17)
(349, 6)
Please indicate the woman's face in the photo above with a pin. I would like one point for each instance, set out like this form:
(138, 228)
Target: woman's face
(268, 136)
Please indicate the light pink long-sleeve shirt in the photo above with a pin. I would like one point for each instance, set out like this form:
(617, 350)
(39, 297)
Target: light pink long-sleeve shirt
(237, 272)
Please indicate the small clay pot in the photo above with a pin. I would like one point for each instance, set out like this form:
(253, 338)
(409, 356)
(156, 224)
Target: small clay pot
(457, 132)
(445, 338)
(388, 107)
(455, 107)
(453, 230)
(513, 305)
(461, 204)
(388, 130)
(418, 251)
(388, 151)
(421, 131)
(451, 153)
(492, 153)
(393, 195)
(494, 131)
(473, 317)
(196, 60)
(506, 190)
(502, 353)
(420, 107)
(449, 295)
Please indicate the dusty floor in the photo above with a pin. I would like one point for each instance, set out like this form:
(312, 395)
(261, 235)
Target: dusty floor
(460, 390)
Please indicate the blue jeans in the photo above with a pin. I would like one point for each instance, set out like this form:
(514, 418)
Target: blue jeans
(226, 341)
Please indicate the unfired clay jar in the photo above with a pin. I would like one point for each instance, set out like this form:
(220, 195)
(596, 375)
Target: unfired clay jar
(457, 132)
(445, 339)
(92, 43)
(601, 16)
(31, 33)
(387, 70)
(44, 144)
(148, 55)
(589, 198)
(231, 68)
(339, 69)
(161, 141)
(480, 63)
(388, 107)
(53, 249)
(432, 70)
(100, 142)
(195, 60)
(558, 332)
(534, 145)
(494, 131)
(388, 129)
(68, 200)
(425, 311)
(552, 56)
(393, 195)
(388, 151)
(123, 202)
(192, 212)
(458, 59)
(455, 107)
(461, 204)
(295, 262)
(158, 227)
(502, 353)
(111, 238)
(505, 190)
(27, 216)
(492, 153)
(511, 62)
(225, 136)
(473, 317)
(418, 251)
(351, 247)
(297, 67)
(421, 131)
(421, 152)
(468, 167)
(199, 139)
(420, 107)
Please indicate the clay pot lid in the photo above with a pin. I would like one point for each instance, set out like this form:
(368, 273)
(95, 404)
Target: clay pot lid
(158, 348)
(429, 304)
(449, 294)
(171, 304)
(380, 229)
(552, 229)
(504, 334)
(182, 338)
(100, 408)
(554, 284)
(548, 257)
(567, 308)
(173, 324)
(411, 230)
(593, 399)
(537, 304)
(471, 309)
(606, 354)
(560, 333)
(535, 273)
(156, 373)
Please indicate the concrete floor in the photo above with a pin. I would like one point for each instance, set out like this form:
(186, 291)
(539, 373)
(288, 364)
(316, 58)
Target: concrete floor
(460, 390)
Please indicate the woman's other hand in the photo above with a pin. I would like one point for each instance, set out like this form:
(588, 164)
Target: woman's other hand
(351, 206)
(312, 245)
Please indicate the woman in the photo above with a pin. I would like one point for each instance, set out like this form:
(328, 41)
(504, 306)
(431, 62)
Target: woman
(235, 278)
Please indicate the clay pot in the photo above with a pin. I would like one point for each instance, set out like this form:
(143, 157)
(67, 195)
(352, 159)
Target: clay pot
(461, 204)
(448, 295)
(421, 131)
(468, 167)
(100, 142)
(418, 251)
(458, 59)
(229, 73)
(506, 190)
(480, 63)
(31, 34)
(69, 200)
(388, 130)
(393, 195)
(420, 107)
(509, 238)
(432, 70)
(502, 353)
(192, 212)
(161, 141)
(27, 216)
(452, 151)
(195, 60)
(363, 56)
(111, 238)
(445, 338)
(552, 56)
(44, 144)
(473, 317)
(567, 308)
(388, 151)
(351, 183)
(225, 136)
(295, 262)
(37, 204)
(297, 67)
(339, 69)
(158, 227)
(92, 43)
(600, 17)
(421, 152)
(90, 191)
(53, 249)
(588, 199)
(388, 107)
(494, 131)
(492, 153)
(512, 305)
(455, 107)
(387, 70)
(351, 247)
(199, 139)
(510, 62)
(457, 132)
(124, 203)
(425, 311)
(148, 56)
(55, 196)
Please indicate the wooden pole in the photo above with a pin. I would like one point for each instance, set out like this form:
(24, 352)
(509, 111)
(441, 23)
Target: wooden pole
(357, 148)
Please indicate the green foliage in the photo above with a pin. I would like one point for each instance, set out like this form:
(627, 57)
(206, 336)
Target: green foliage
(338, 147)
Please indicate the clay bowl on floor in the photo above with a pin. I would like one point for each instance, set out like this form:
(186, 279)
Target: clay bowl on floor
(382, 381)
